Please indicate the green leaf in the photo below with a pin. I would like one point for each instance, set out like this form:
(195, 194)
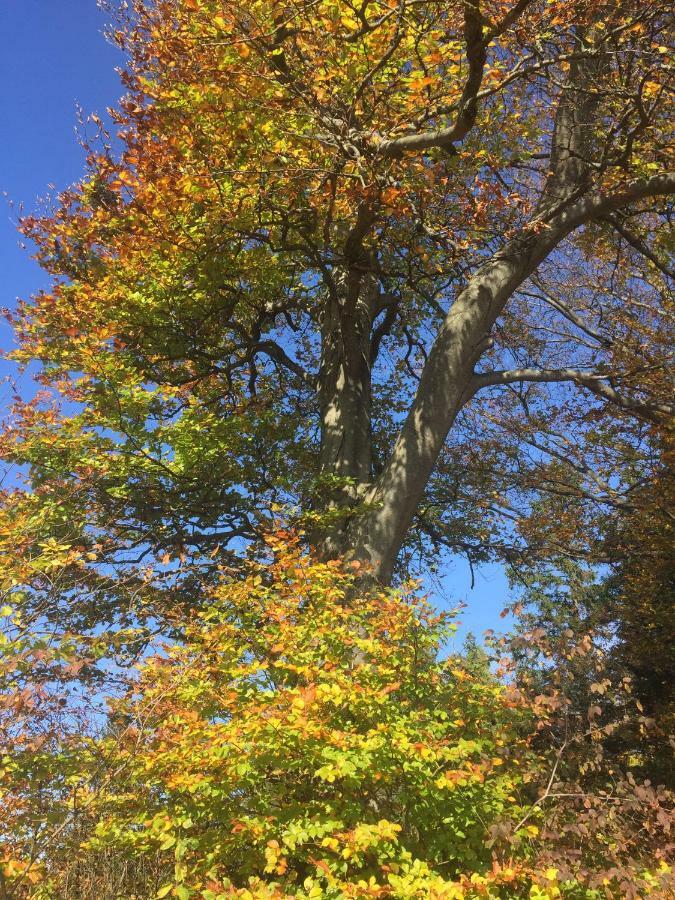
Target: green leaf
(168, 842)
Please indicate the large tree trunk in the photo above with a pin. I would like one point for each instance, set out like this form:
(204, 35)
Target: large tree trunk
(447, 381)
(377, 516)
(376, 535)
(345, 403)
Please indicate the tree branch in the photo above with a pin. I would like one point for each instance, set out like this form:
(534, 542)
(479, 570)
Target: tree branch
(560, 307)
(279, 355)
(637, 244)
(596, 383)
(476, 54)
(449, 369)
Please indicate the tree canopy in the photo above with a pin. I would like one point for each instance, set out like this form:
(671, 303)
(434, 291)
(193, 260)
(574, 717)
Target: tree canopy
(327, 263)
(303, 739)
(394, 275)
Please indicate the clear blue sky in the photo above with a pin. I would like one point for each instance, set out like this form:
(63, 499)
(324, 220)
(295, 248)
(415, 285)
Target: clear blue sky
(54, 58)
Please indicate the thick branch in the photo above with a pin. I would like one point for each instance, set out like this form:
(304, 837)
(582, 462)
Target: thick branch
(595, 382)
(509, 19)
(383, 328)
(444, 386)
(573, 136)
(279, 355)
(476, 54)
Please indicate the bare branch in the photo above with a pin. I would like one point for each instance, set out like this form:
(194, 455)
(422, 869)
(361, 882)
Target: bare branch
(638, 244)
(596, 383)
(559, 306)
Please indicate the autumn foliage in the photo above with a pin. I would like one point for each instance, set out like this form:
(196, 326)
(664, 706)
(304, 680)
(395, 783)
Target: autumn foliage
(305, 739)
(344, 286)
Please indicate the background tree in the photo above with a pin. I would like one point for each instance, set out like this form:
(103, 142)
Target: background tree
(626, 604)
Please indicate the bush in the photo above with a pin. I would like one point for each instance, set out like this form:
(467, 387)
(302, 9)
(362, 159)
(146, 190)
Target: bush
(305, 738)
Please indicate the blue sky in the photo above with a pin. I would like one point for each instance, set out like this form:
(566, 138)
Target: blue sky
(54, 58)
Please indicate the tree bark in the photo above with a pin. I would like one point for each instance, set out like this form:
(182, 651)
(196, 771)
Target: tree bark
(376, 536)
(345, 403)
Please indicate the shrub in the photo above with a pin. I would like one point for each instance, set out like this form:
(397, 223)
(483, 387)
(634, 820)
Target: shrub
(305, 738)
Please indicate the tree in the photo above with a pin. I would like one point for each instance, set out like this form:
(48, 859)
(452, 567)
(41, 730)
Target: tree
(328, 265)
(396, 274)
(476, 658)
(626, 604)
